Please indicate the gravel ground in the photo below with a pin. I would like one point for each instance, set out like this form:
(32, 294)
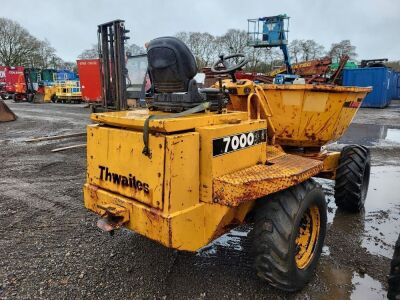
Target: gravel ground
(50, 247)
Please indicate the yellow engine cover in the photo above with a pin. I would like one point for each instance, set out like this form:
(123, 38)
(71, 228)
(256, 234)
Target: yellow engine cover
(115, 163)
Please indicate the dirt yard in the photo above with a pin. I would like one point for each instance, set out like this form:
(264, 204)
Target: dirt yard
(50, 247)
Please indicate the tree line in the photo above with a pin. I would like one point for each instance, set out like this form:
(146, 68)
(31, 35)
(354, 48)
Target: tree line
(207, 47)
(20, 48)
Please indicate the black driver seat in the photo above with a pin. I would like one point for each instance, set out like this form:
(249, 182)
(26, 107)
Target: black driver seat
(172, 67)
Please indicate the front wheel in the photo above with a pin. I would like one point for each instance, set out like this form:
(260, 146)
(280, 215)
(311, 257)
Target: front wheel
(352, 178)
(288, 235)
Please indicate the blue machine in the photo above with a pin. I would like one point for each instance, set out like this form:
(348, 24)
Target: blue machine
(270, 32)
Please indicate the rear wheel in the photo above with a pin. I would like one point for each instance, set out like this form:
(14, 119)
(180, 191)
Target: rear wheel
(352, 178)
(288, 235)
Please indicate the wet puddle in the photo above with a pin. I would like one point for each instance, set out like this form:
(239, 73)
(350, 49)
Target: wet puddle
(365, 288)
(345, 284)
(382, 211)
(371, 135)
(378, 231)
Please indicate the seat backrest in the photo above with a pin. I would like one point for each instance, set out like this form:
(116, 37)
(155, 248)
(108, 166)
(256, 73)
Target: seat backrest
(171, 65)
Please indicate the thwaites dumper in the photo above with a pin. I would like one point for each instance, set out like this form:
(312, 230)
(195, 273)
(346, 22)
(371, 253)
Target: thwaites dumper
(199, 162)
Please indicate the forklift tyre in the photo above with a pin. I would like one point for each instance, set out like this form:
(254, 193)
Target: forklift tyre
(3, 97)
(394, 276)
(288, 235)
(352, 178)
(53, 98)
(30, 98)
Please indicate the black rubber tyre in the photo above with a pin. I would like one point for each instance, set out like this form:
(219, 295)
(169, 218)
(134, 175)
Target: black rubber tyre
(53, 98)
(352, 178)
(394, 277)
(30, 98)
(278, 219)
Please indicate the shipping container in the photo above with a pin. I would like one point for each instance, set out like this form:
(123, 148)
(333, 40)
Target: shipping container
(396, 86)
(379, 78)
(13, 75)
(2, 74)
(89, 76)
(34, 74)
(47, 76)
(63, 75)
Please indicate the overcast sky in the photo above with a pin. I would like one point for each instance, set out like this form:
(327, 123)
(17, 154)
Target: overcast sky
(70, 25)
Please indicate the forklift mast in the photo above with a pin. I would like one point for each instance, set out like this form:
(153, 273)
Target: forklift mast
(111, 43)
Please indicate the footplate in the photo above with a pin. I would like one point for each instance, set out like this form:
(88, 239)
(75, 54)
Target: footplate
(257, 181)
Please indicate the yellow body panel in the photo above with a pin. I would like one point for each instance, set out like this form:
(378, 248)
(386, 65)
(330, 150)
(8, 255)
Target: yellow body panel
(212, 167)
(188, 229)
(115, 162)
(48, 92)
(181, 184)
(135, 120)
(206, 169)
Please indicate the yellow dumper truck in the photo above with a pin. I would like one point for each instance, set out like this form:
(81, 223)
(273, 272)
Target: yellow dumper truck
(199, 162)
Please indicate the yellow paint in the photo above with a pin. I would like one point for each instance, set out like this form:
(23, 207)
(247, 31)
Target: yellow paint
(67, 90)
(212, 167)
(303, 115)
(121, 152)
(135, 120)
(181, 184)
(48, 92)
(307, 237)
(188, 229)
(188, 196)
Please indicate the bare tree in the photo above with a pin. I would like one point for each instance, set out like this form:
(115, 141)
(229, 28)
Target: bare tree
(394, 65)
(234, 41)
(304, 50)
(295, 50)
(17, 45)
(19, 48)
(311, 50)
(342, 48)
(44, 56)
(134, 49)
(202, 45)
(90, 53)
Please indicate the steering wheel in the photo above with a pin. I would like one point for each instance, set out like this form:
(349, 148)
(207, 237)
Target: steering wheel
(228, 68)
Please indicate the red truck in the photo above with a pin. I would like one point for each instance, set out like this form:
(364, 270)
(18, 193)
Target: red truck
(9, 77)
(89, 76)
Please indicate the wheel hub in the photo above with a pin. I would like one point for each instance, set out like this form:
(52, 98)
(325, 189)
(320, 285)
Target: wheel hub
(307, 237)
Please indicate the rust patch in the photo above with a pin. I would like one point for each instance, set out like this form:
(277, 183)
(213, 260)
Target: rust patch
(153, 214)
(261, 180)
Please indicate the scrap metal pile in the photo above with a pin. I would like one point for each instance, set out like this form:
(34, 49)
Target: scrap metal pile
(313, 71)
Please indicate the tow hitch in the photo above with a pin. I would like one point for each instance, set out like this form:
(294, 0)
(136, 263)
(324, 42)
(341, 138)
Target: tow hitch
(113, 218)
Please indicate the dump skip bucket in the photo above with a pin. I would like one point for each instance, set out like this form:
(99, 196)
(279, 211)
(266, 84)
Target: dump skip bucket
(312, 115)
(6, 114)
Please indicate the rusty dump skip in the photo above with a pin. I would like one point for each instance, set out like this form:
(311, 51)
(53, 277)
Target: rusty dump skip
(6, 114)
(312, 115)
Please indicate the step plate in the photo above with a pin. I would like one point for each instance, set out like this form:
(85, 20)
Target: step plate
(257, 181)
